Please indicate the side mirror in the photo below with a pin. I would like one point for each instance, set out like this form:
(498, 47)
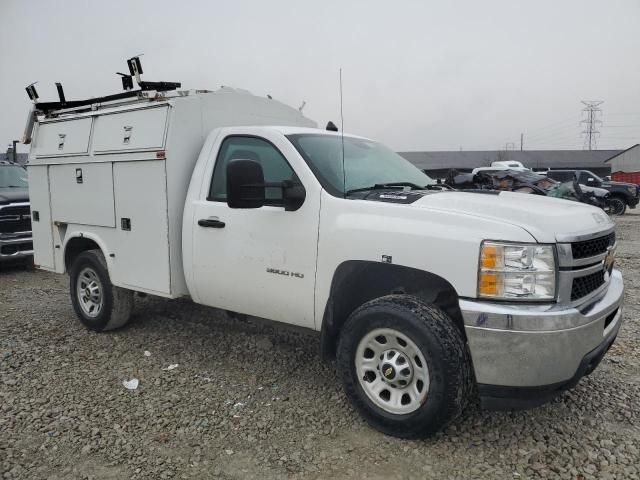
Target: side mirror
(245, 184)
(293, 195)
(591, 180)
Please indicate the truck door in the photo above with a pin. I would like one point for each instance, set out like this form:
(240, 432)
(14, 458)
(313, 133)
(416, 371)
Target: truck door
(261, 261)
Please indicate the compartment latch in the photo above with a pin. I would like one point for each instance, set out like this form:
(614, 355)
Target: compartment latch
(127, 134)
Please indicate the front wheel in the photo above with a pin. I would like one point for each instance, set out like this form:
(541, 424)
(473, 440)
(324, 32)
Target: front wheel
(405, 366)
(98, 304)
(617, 206)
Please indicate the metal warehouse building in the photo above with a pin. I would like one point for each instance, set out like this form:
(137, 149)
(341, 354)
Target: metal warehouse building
(625, 166)
(437, 164)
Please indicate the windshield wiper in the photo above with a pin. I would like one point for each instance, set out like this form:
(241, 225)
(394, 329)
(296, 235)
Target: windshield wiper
(383, 186)
(13, 186)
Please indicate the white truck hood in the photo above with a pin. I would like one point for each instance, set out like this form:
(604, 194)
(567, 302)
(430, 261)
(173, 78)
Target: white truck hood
(546, 219)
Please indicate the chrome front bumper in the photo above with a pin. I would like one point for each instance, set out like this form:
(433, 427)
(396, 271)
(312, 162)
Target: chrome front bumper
(14, 246)
(536, 346)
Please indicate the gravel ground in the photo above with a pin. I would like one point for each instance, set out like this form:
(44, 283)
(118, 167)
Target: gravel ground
(249, 399)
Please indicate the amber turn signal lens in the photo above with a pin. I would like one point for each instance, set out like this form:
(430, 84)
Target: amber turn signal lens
(489, 258)
(489, 284)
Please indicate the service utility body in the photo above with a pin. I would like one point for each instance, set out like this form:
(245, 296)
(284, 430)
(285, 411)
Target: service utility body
(424, 296)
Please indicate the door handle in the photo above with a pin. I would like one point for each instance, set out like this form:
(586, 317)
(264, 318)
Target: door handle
(210, 223)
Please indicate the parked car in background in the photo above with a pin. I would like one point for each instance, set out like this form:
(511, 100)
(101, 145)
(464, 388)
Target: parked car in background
(502, 165)
(623, 194)
(15, 214)
(526, 181)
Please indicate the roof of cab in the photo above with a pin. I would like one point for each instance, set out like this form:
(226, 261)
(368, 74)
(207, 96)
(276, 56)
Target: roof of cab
(288, 130)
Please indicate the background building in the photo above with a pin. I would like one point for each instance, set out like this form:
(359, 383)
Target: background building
(437, 164)
(625, 165)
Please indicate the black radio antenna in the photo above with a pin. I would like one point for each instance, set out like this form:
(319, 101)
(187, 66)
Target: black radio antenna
(344, 173)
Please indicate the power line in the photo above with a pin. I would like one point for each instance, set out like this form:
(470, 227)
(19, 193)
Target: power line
(560, 134)
(592, 111)
(571, 119)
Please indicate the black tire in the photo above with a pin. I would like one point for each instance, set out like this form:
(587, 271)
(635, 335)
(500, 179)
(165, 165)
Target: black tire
(617, 206)
(440, 342)
(117, 303)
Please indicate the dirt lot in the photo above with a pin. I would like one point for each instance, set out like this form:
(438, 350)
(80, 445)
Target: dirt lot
(249, 400)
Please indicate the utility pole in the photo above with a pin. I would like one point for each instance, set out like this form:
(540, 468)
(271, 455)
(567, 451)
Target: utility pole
(521, 141)
(591, 111)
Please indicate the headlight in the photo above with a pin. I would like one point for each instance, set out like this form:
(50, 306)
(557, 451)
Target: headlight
(517, 271)
(632, 190)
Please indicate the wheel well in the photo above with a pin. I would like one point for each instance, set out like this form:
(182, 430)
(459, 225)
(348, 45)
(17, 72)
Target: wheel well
(75, 247)
(356, 282)
(619, 195)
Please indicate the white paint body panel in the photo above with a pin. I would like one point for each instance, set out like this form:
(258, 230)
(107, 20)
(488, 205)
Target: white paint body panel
(90, 202)
(444, 243)
(55, 138)
(141, 129)
(228, 266)
(542, 217)
(147, 244)
(41, 230)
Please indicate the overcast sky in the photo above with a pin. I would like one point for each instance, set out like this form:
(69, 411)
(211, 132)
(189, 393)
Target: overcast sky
(417, 75)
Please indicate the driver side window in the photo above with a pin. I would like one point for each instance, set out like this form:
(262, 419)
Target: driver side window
(274, 166)
(584, 178)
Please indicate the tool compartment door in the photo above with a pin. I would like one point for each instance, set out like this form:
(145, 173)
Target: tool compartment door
(40, 216)
(142, 129)
(143, 236)
(82, 193)
(64, 137)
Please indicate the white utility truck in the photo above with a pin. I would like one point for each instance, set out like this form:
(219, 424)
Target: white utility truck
(426, 297)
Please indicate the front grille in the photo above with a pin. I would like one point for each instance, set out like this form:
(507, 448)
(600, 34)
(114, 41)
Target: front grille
(13, 226)
(591, 248)
(15, 210)
(15, 218)
(583, 286)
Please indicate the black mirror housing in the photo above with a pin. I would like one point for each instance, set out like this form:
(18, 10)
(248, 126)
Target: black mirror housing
(293, 195)
(245, 184)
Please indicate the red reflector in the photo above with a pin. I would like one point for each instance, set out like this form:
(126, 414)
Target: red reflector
(161, 154)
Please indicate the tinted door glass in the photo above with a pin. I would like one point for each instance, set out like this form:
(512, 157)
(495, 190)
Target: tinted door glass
(584, 178)
(561, 176)
(274, 165)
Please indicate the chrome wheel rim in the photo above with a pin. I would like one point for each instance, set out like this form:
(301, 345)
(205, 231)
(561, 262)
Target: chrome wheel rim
(617, 206)
(89, 292)
(392, 371)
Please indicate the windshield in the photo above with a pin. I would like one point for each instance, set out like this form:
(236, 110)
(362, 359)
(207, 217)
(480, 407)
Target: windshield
(12, 176)
(366, 163)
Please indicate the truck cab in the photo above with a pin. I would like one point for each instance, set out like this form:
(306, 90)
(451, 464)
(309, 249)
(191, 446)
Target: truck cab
(423, 296)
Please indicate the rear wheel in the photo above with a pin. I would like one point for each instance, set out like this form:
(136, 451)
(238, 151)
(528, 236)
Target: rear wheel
(98, 304)
(617, 206)
(405, 366)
